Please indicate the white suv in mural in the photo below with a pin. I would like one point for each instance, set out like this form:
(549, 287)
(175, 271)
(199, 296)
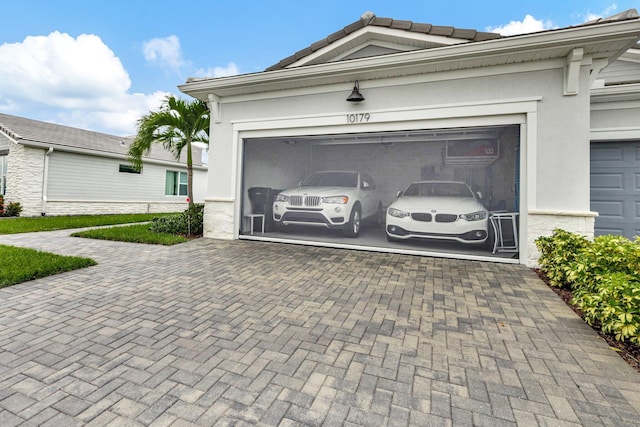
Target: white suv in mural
(330, 199)
(444, 210)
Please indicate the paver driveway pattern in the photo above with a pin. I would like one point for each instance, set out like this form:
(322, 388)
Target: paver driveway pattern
(243, 333)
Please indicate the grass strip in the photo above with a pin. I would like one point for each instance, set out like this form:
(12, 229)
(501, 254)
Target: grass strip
(50, 223)
(19, 265)
(136, 233)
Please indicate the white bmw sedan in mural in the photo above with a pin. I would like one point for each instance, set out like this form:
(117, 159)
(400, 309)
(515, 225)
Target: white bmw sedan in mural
(331, 199)
(444, 210)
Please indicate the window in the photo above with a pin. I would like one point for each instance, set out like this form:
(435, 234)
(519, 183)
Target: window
(128, 169)
(3, 173)
(176, 184)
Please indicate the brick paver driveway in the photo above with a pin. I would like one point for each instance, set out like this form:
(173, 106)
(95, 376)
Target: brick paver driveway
(243, 333)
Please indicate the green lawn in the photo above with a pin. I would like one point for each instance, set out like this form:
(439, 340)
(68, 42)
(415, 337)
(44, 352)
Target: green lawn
(136, 233)
(50, 223)
(22, 264)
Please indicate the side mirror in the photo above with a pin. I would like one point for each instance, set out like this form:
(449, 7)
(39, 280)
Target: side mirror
(479, 195)
(399, 193)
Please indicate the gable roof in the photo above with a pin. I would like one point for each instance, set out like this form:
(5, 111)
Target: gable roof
(369, 19)
(64, 138)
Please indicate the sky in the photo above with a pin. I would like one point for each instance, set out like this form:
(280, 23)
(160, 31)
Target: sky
(101, 65)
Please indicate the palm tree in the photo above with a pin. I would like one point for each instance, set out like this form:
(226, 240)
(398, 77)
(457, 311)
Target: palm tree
(177, 124)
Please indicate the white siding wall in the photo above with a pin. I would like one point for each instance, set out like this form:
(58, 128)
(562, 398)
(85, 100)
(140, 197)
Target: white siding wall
(82, 184)
(80, 177)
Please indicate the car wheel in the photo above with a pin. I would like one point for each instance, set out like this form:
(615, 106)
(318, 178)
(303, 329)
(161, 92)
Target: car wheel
(355, 220)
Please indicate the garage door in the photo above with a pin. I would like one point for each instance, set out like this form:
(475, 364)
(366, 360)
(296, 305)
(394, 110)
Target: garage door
(450, 191)
(615, 187)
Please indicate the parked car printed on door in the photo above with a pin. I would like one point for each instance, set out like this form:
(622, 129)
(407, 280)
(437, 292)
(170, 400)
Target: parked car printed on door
(329, 199)
(442, 210)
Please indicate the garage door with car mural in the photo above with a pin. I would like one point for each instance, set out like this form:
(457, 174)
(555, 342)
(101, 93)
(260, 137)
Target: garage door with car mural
(453, 191)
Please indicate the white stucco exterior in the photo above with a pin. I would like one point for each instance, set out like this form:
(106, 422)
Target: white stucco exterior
(540, 82)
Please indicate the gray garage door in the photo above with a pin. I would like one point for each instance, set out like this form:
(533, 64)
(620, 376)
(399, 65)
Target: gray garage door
(615, 187)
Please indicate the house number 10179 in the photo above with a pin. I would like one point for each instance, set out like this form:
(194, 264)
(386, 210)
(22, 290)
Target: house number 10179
(358, 118)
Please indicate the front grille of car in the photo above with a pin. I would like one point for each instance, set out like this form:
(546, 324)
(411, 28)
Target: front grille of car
(304, 200)
(446, 218)
(295, 200)
(312, 201)
(424, 217)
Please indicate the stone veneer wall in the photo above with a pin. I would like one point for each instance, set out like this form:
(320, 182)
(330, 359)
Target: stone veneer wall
(24, 178)
(542, 223)
(219, 219)
(90, 207)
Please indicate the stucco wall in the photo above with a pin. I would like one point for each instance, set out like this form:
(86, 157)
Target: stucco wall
(611, 115)
(556, 142)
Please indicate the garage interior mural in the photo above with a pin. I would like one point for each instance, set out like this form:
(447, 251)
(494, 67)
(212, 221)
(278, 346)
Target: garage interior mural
(451, 191)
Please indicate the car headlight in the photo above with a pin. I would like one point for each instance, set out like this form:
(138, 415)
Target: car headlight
(343, 200)
(474, 216)
(397, 213)
(282, 198)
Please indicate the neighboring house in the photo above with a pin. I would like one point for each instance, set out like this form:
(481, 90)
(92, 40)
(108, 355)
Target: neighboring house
(545, 127)
(59, 170)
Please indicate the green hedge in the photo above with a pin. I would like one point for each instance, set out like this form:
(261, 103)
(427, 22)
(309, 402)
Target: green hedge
(603, 275)
(187, 223)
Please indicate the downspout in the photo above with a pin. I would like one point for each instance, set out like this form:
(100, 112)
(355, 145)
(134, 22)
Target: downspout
(45, 181)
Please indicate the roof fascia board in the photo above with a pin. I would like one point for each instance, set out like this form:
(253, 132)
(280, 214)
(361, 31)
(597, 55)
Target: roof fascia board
(368, 33)
(9, 137)
(360, 68)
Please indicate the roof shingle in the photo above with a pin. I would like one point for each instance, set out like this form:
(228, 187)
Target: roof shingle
(26, 131)
(369, 19)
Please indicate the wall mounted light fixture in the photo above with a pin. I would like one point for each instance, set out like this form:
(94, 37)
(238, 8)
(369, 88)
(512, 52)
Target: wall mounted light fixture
(355, 96)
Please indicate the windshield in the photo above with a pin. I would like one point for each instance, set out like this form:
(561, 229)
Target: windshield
(332, 179)
(441, 189)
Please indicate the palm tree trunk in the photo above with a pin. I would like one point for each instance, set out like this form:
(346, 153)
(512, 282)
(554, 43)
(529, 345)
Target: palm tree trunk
(189, 173)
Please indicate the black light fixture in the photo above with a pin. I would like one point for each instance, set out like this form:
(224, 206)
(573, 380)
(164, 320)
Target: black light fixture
(355, 96)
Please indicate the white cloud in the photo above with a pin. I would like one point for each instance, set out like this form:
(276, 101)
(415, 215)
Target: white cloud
(528, 25)
(591, 16)
(80, 78)
(230, 70)
(165, 52)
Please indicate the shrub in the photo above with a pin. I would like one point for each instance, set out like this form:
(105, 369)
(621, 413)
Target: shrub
(557, 252)
(605, 255)
(12, 209)
(604, 277)
(186, 223)
(615, 305)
